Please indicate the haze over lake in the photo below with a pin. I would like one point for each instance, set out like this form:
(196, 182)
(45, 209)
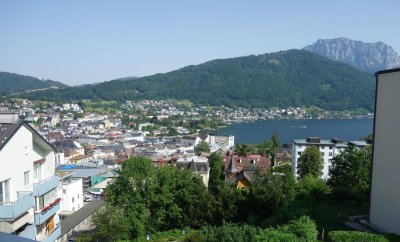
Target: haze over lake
(352, 129)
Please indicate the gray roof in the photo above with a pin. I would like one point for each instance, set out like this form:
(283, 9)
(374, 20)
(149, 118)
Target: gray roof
(13, 238)
(83, 172)
(305, 142)
(74, 219)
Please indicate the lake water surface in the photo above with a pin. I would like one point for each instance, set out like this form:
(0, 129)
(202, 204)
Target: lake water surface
(288, 130)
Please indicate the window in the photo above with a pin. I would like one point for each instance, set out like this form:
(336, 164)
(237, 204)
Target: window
(37, 172)
(330, 153)
(47, 198)
(73, 199)
(330, 147)
(299, 153)
(323, 147)
(26, 150)
(322, 153)
(26, 178)
(5, 191)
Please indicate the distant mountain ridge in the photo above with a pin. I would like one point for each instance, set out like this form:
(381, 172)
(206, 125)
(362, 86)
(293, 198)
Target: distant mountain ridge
(13, 83)
(368, 57)
(282, 79)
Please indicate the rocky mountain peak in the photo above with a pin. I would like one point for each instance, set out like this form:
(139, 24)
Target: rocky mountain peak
(368, 57)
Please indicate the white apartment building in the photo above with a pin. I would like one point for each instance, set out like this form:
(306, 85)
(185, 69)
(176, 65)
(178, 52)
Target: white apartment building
(28, 198)
(385, 179)
(222, 140)
(328, 149)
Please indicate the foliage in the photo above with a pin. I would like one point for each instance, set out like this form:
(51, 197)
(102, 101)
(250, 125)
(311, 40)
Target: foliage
(158, 199)
(292, 78)
(301, 229)
(310, 162)
(351, 169)
(12, 83)
(230, 233)
(39, 121)
(269, 192)
(355, 236)
(304, 228)
(316, 187)
(202, 147)
(275, 235)
(111, 224)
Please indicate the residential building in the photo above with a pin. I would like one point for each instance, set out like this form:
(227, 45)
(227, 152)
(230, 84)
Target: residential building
(328, 149)
(198, 165)
(70, 190)
(28, 198)
(385, 178)
(222, 140)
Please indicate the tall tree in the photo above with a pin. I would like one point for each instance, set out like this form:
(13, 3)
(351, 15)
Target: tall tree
(202, 147)
(351, 169)
(310, 162)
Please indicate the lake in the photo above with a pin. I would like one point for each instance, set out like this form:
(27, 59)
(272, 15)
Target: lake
(346, 129)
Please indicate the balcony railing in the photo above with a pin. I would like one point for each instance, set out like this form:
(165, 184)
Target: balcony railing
(47, 211)
(53, 235)
(44, 186)
(12, 210)
(29, 232)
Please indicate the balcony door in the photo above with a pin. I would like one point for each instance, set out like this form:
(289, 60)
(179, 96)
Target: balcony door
(5, 191)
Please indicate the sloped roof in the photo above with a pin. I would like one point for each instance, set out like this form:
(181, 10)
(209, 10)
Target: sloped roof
(7, 131)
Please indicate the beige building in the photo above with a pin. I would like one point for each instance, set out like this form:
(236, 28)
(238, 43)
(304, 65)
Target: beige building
(385, 182)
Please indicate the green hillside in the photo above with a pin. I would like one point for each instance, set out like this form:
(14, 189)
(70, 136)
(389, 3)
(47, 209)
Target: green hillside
(281, 79)
(14, 83)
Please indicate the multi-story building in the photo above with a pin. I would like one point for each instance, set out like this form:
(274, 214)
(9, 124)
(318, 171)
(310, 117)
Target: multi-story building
(28, 197)
(385, 179)
(328, 149)
(222, 140)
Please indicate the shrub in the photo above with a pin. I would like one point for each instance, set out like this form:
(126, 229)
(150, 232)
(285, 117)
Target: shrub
(355, 236)
(275, 235)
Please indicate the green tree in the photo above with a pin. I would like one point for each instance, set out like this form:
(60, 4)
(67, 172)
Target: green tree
(351, 169)
(172, 131)
(243, 149)
(310, 162)
(39, 121)
(111, 224)
(202, 147)
(304, 228)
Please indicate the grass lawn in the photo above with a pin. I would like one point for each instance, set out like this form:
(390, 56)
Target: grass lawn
(331, 215)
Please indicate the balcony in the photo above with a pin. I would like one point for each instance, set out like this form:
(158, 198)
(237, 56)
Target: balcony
(47, 212)
(29, 232)
(12, 210)
(44, 186)
(51, 237)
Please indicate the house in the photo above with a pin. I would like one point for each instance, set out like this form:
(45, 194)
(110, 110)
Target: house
(197, 165)
(239, 170)
(190, 140)
(28, 197)
(384, 210)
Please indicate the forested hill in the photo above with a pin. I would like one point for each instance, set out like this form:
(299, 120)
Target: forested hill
(281, 79)
(13, 83)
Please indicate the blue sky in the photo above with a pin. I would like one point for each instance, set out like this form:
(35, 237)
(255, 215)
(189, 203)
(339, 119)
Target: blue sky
(89, 41)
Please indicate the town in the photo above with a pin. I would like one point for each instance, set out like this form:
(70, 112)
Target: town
(77, 148)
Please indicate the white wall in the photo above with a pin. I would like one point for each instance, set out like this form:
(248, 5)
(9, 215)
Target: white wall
(385, 191)
(73, 191)
(14, 161)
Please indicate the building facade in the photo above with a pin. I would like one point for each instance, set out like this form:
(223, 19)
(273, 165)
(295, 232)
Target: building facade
(28, 197)
(385, 178)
